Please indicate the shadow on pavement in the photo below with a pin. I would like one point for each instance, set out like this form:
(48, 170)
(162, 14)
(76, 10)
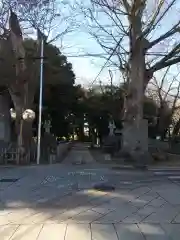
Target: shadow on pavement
(57, 195)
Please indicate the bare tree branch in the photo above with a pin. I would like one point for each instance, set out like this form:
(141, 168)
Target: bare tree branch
(46, 15)
(166, 35)
(157, 16)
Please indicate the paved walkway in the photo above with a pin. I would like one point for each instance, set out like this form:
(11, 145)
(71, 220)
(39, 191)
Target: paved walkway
(57, 202)
(79, 153)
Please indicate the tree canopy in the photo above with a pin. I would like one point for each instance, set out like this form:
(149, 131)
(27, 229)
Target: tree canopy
(56, 67)
(75, 107)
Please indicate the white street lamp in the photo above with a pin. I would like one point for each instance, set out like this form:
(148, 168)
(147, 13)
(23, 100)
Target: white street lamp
(28, 115)
(13, 113)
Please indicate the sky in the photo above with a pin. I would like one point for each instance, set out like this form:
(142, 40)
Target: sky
(81, 42)
(87, 68)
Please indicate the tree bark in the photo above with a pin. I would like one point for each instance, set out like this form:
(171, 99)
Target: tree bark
(133, 140)
(22, 100)
(21, 85)
(24, 139)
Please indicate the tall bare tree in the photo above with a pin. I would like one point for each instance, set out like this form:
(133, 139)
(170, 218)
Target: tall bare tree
(130, 31)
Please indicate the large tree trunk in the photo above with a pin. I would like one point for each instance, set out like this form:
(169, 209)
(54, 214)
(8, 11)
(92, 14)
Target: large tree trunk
(24, 139)
(21, 85)
(135, 137)
(22, 99)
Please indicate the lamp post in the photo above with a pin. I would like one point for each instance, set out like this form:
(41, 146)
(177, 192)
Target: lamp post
(40, 103)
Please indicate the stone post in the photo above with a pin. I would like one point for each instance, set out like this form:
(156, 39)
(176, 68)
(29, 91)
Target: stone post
(135, 142)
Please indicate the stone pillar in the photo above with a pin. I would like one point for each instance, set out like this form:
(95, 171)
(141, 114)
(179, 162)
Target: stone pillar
(133, 134)
(135, 141)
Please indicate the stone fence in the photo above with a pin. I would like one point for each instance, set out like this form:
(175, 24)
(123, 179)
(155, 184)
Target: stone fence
(9, 154)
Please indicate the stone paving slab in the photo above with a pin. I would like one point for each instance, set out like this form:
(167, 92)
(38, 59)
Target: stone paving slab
(27, 232)
(88, 216)
(104, 208)
(153, 232)
(4, 220)
(78, 231)
(118, 215)
(128, 232)
(37, 218)
(169, 192)
(52, 232)
(17, 216)
(172, 230)
(176, 218)
(164, 214)
(157, 202)
(7, 231)
(103, 231)
(133, 218)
